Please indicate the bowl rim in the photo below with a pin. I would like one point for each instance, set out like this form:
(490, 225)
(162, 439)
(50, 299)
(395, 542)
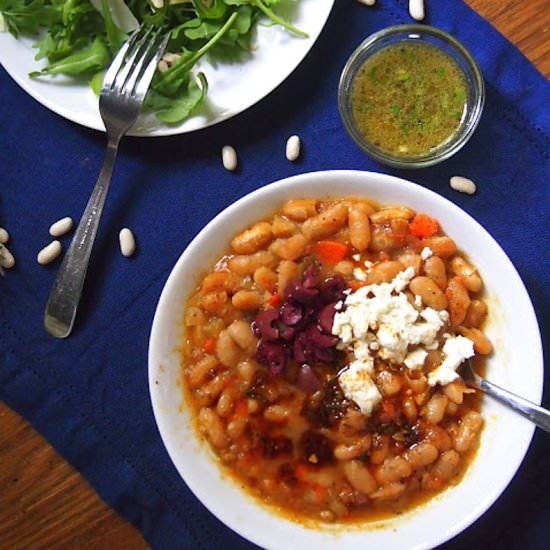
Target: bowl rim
(286, 186)
(413, 31)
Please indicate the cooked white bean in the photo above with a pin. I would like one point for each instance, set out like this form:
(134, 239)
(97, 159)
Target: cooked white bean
(60, 227)
(416, 9)
(277, 413)
(212, 426)
(4, 236)
(435, 408)
(241, 332)
(421, 454)
(227, 350)
(467, 432)
(359, 476)
(293, 147)
(6, 257)
(127, 242)
(229, 158)
(394, 468)
(462, 184)
(347, 451)
(49, 253)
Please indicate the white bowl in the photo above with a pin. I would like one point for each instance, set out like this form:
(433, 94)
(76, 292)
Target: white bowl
(516, 364)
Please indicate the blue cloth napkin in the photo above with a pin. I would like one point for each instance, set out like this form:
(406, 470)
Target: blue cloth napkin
(88, 394)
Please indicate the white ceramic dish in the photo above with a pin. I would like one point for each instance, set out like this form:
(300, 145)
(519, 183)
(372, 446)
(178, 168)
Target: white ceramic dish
(232, 86)
(517, 364)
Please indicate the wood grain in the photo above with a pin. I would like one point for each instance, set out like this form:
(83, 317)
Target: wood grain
(526, 24)
(45, 503)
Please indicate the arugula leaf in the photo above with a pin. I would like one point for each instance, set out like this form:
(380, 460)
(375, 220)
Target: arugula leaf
(91, 59)
(263, 7)
(175, 109)
(27, 16)
(210, 9)
(170, 81)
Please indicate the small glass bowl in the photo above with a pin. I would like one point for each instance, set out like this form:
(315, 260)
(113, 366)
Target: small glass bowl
(419, 34)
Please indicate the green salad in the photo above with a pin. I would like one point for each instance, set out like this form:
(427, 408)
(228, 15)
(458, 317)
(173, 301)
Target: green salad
(79, 38)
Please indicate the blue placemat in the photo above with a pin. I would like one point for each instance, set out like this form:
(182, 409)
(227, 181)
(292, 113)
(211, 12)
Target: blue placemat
(88, 394)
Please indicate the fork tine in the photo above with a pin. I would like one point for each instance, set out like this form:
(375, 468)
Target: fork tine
(137, 71)
(132, 59)
(117, 62)
(143, 83)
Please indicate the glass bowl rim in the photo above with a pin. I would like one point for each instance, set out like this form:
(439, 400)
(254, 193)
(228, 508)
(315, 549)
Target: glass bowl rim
(475, 84)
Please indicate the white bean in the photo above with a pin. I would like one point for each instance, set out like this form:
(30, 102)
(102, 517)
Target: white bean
(4, 236)
(293, 146)
(49, 253)
(416, 9)
(368, 2)
(60, 227)
(127, 242)
(229, 158)
(462, 184)
(6, 257)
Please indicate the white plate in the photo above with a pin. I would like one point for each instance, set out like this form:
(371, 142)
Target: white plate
(233, 86)
(516, 364)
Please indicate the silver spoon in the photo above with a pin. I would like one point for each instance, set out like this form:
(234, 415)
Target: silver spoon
(539, 415)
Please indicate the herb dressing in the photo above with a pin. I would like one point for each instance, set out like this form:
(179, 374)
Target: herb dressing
(408, 99)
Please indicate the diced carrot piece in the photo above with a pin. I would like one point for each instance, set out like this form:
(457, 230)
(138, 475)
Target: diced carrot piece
(320, 493)
(423, 226)
(388, 410)
(331, 252)
(275, 300)
(210, 345)
(301, 471)
(241, 408)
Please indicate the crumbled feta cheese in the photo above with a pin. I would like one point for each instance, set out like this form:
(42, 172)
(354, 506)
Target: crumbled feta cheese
(368, 264)
(358, 386)
(415, 359)
(356, 257)
(418, 300)
(359, 274)
(384, 312)
(426, 253)
(456, 350)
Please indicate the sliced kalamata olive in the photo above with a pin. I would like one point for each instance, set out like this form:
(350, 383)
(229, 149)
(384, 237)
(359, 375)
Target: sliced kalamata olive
(326, 317)
(319, 339)
(326, 355)
(266, 324)
(310, 278)
(307, 380)
(255, 329)
(332, 290)
(297, 292)
(286, 333)
(291, 313)
(302, 348)
(273, 356)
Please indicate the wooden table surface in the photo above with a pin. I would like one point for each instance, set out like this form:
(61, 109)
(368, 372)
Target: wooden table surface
(45, 503)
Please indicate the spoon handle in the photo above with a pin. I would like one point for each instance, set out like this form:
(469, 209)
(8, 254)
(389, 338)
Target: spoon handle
(539, 415)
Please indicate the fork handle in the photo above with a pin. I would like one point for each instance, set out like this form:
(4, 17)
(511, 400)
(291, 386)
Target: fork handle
(65, 295)
(538, 415)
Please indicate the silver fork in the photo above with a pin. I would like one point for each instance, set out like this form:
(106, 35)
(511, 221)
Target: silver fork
(124, 87)
(538, 415)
